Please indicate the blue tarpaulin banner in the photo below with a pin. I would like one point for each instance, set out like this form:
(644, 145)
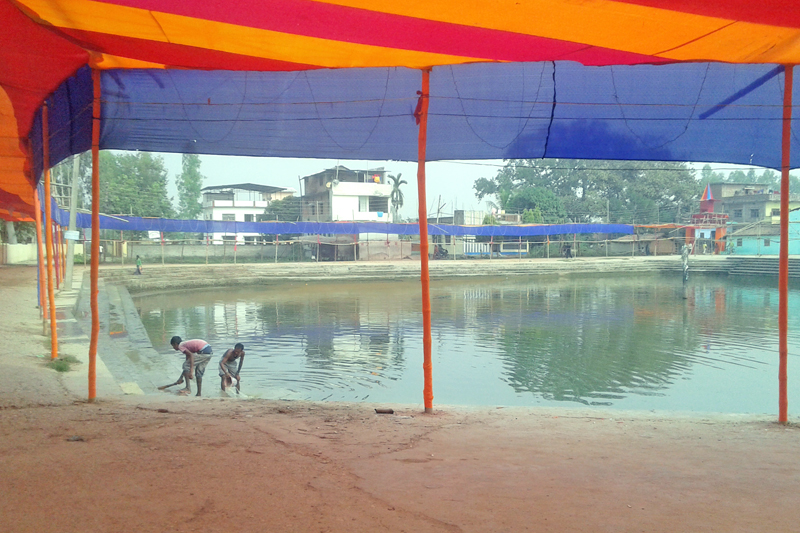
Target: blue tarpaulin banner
(127, 223)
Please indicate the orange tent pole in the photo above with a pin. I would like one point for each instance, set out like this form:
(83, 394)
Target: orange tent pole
(40, 245)
(95, 267)
(48, 224)
(422, 119)
(783, 266)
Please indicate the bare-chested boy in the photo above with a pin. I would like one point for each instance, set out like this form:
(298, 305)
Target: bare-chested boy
(198, 354)
(229, 367)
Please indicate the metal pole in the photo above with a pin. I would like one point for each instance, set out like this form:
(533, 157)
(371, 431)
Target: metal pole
(48, 225)
(425, 278)
(95, 268)
(783, 269)
(73, 215)
(40, 246)
(57, 253)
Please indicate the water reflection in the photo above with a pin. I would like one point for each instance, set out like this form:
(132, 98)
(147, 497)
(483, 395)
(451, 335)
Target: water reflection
(628, 342)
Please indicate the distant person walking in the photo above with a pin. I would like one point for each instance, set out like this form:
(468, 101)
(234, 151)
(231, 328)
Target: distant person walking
(198, 354)
(230, 365)
(138, 266)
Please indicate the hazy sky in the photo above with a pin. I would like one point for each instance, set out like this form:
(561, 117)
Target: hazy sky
(449, 183)
(451, 180)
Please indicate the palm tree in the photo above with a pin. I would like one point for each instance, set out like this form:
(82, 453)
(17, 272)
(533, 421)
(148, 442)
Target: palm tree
(397, 195)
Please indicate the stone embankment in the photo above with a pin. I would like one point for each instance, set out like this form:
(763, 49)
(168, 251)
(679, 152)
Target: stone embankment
(176, 277)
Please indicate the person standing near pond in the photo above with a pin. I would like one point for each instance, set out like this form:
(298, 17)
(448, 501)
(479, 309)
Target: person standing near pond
(230, 365)
(138, 265)
(198, 354)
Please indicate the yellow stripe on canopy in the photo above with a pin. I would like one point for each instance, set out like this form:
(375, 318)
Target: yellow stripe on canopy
(12, 159)
(124, 21)
(614, 25)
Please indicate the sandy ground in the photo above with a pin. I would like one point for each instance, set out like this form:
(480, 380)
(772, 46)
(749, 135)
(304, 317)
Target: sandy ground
(164, 463)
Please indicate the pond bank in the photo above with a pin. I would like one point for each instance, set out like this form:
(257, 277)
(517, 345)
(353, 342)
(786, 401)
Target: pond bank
(168, 277)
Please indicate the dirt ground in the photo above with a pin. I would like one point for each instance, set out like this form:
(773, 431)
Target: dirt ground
(164, 463)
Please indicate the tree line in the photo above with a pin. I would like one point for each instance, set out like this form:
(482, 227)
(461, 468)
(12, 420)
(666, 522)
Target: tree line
(584, 191)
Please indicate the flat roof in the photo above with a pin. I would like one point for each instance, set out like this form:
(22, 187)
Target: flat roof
(247, 187)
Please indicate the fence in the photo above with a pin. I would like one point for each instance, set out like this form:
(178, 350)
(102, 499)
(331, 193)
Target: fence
(338, 248)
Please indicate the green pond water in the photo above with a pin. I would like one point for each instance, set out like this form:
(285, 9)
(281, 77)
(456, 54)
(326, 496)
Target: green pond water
(627, 342)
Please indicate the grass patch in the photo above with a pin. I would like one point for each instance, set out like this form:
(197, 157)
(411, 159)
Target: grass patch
(63, 364)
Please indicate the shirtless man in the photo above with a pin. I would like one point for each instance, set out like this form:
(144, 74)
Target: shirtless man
(198, 354)
(229, 368)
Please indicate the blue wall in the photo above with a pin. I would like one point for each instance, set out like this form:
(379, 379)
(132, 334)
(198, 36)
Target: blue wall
(752, 245)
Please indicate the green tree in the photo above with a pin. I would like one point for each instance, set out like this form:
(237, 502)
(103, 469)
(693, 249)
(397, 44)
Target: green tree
(549, 207)
(591, 190)
(189, 183)
(289, 209)
(707, 175)
(134, 184)
(396, 196)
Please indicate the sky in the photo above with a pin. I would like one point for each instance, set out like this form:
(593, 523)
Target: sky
(449, 183)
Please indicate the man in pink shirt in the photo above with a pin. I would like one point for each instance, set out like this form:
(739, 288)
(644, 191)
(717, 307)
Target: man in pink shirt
(198, 354)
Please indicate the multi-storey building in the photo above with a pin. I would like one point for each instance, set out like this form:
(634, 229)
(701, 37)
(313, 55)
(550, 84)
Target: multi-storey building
(244, 202)
(342, 194)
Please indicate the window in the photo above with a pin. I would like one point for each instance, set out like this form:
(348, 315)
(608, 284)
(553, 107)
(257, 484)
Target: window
(229, 238)
(363, 204)
(776, 212)
(766, 242)
(248, 218)
(228, 216)
(737, 213)
(738, 242)
(754, 213)
(378, 204)
(250, 240)
(313, 209)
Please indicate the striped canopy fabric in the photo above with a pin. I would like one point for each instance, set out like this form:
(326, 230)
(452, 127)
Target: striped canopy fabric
(627, 79)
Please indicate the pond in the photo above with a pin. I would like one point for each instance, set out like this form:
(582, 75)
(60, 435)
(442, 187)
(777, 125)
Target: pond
(627, 342)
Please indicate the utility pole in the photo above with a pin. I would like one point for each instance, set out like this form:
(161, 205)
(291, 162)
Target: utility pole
(73, 205)
(608, 212)
(11, 232)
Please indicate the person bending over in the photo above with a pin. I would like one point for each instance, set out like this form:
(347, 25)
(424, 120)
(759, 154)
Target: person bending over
(230, 365)
(198, 354)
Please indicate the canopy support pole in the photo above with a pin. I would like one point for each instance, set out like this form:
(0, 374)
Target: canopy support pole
(48, 224)
(421, 115)
(40, 246)
(783, 269)
(95, 266)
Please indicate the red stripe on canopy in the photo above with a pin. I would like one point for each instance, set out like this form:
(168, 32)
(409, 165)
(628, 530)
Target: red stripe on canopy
(34, 63)
(13, 202)
(346, 24)
(177, 55)
(773, 12)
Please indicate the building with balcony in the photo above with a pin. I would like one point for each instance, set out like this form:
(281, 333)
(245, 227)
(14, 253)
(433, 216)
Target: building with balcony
(244, 202)
(342, 194)
(749, 202)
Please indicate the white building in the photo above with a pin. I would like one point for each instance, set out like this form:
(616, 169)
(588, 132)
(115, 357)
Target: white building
(350, 195)
(244, 202)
